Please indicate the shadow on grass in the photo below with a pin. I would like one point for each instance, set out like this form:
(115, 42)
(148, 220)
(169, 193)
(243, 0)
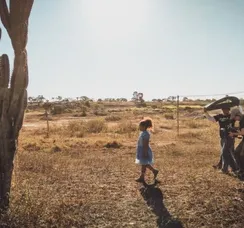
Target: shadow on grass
(154, 199)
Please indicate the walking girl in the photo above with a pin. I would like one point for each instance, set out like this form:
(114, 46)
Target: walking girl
(144, 154)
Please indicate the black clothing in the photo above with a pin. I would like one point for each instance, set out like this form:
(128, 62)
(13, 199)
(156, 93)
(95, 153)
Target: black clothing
(225, 124)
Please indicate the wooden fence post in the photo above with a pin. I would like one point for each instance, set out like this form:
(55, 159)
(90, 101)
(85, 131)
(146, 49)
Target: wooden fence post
(178, 116)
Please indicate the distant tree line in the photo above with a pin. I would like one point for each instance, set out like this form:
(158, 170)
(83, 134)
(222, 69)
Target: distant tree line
(137, 98)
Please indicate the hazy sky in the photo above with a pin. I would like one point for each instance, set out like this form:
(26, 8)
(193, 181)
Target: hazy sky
(110, 48)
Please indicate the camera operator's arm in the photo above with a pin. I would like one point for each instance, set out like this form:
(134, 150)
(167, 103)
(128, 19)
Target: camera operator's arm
(238, 133)
(210, 118)
(241, 131)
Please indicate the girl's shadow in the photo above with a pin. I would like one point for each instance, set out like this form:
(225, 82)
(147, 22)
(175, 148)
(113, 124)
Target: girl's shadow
(154, 199)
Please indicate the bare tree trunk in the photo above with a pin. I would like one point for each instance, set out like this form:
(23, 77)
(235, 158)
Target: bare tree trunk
(13, 94)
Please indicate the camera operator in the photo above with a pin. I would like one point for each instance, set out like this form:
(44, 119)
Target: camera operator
(227, 155)
(223, 120)
(237, 115)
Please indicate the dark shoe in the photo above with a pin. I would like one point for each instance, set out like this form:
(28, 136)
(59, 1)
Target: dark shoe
(234, 170)
(224, 171)
(155, 172)
(239, 173)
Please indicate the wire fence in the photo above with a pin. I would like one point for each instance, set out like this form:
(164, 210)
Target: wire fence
(213, 95)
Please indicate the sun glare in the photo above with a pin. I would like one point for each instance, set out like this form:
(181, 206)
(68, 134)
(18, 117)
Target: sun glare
(114, 19)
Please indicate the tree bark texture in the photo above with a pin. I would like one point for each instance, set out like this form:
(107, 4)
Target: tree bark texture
(13, 93)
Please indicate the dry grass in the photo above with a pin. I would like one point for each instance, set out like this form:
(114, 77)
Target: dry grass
(112, 118)
(126, 126)
(196, 124)
(169, 116)
(76, 178)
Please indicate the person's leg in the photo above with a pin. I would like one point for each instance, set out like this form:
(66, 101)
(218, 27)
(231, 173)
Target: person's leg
(219, 165)
(220, 157)
(232, 160)
(143, 171)
(237, 155)
(242, 164)
(229, 158)
(225, 157)
(155, 171)
(241, 157)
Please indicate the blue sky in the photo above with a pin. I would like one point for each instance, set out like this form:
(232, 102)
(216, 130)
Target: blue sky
(111, 48)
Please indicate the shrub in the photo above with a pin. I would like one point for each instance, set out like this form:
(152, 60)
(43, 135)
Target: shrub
(192, 124)
(96, 126)
(76, 129)
(169, 116)
(56, 149)
(79, 134)
(99, 110)
(113, 118)
(100, 113)
(83, 114)
(84, 110)
(195, 123)
(190, 135)
(32, 146)
(127, 127)
(113, 144)
(154, 106)
(141, 104)
(44, 117)
(188, 109)
(57, 109)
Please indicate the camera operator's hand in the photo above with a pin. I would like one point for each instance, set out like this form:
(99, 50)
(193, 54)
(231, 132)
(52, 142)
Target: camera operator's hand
(232, 134)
